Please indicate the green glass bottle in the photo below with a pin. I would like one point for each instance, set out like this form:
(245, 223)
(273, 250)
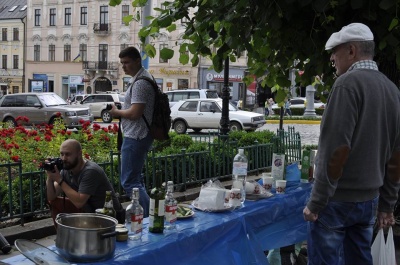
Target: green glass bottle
(109, 205)
(157, 207)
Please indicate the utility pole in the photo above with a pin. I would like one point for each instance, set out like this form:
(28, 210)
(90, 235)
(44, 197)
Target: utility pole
(225, 100)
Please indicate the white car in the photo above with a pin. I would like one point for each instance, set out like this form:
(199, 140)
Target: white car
(97, 104)
(177, 95)
(198, 114)
(300, 102)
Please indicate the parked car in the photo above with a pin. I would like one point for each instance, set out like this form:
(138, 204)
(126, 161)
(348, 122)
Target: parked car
(78, 98)
(41, 108)
(176, 95)
(198, 114)
(97, 103)
(300, 102)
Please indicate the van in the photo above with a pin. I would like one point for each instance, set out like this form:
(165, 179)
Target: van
(177, 95)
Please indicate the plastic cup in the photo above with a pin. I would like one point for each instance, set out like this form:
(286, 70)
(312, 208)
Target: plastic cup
(235, 197)
(280, 185)
(267, 182)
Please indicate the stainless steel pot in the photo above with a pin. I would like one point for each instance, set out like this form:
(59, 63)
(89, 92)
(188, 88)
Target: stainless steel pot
(85, 237)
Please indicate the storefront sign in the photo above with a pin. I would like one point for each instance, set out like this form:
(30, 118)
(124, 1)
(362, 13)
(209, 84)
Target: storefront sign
(220, 77)
(75, 79)
(169, 72)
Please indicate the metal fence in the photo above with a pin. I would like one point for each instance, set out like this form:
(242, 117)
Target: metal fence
(23, 194)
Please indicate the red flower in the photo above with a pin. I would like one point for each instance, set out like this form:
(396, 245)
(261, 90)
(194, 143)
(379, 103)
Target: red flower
(96, 127)
(105, 129)
(47, 138)
(15, 158)
(87, 156)
(37, 138)
(68, 132)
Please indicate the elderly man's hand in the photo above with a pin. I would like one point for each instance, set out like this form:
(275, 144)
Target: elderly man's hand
(385, 219)
(309, 216)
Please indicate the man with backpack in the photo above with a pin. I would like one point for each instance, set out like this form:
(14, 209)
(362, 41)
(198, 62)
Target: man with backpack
(137, 140)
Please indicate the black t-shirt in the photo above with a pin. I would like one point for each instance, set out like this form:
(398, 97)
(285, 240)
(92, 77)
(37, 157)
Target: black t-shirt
(93, 181)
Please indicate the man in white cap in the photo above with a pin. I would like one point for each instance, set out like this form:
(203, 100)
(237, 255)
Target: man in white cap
(357, 172)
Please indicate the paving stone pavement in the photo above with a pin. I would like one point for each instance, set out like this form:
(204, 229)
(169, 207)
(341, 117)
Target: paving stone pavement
(309, 132)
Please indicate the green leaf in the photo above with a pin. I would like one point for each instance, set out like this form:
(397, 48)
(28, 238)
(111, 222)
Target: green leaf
(217, 62)
(283, 81)
(115, 2)
(171, 28)
(164, 21)
(280, 96)
(139, 3)
(127, 19)
(166, 53)
(184, 58)
(382, 44)
(195, 60)
(150, 50)
(393, 24)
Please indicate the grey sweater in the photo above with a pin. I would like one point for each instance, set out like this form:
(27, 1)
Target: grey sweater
(360, 134)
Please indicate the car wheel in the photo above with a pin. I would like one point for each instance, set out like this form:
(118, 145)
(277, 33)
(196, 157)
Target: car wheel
(106, 116)
(10, 122)
(196, 130)
(180, 127)
(235, 126)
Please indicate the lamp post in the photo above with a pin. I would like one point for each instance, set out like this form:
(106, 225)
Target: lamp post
(225, 100)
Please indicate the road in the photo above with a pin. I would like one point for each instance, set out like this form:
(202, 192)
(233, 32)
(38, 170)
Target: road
(309, 132)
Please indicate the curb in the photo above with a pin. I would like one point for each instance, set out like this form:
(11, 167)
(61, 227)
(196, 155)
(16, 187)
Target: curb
(294, 121)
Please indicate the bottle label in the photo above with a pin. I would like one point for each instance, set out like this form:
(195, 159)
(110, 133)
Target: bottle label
(152, 206)
(161, 207)
(170, 213)
(239, 168)
(136, 223)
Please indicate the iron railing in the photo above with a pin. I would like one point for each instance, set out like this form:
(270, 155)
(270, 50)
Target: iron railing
(23, 194)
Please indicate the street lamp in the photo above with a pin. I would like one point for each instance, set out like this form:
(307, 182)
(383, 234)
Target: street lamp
(225, 100)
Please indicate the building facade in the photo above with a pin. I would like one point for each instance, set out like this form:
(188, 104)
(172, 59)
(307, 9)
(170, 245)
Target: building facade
(12, 25)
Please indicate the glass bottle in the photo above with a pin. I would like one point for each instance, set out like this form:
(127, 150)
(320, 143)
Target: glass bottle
(239, 173)
(108, 208)
(157, 207)
(134, 216)
(171, 206)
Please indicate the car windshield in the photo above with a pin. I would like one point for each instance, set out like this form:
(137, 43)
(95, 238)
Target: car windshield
(231, 106)
(211, 94)
(52, 100)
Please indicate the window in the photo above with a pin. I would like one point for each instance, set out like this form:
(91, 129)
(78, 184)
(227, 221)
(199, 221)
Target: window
(125, 12)
(83, 51)
(15, 34)
(123, 46)
(103, 55)
(52, 52)
(15, 61)
(36, 53)
(84, 15)
(15, 89)
(189, 106)
(104, 18)
(4, 61)
(52, 21)
(183, 83)
(4, 34)
(162, 46)
(67, 53)
(37, 17)
(67, 19)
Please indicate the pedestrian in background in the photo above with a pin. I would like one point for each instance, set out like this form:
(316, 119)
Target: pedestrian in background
(287, 105)
(139, 100)
(357, 170)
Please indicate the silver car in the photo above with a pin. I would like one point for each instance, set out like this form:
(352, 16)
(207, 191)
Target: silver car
(41, 108)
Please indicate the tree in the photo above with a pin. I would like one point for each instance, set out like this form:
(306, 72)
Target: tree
(277, 35)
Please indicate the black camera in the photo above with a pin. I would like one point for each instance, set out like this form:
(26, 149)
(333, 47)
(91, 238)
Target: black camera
(109, 106)
(51, 162)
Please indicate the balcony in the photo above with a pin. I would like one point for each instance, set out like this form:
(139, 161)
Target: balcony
(109, 68)
(102, 28)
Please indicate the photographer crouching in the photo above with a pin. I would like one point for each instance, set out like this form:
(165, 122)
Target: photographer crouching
(76, 185)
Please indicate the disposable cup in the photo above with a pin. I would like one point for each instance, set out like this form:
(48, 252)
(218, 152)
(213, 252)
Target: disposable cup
(280, 185)
(235, 197)
(267, 182)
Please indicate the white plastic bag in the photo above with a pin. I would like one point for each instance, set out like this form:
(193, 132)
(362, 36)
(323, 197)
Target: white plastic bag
(383, 253)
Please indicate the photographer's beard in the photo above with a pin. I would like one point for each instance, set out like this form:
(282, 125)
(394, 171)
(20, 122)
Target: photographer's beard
(69, 165)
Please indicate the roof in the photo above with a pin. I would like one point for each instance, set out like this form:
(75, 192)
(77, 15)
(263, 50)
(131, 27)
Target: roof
(13, 9)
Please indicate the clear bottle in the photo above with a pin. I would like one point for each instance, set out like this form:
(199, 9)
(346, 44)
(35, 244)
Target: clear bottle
(108, 208)
(134, 216)
(239, 173)
(157, 207)
(171, 206)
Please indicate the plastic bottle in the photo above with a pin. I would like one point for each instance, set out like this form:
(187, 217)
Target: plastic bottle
(134, 216)
(157, 208)
(108, 208)
(171, 206)
(239, 173)
(4, 245)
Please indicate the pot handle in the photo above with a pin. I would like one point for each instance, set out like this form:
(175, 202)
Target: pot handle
(60, 215)
(107, 235)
